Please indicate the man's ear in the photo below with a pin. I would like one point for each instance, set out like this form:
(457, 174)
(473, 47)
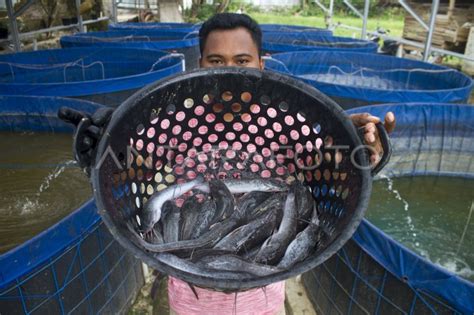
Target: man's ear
(262, 64)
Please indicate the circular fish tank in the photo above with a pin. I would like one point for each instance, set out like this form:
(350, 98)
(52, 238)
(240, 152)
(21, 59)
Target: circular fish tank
(413, 252)
(355, 79)
(89, 73)
(154, 26)
(289, 41)
(188, 27)
(294, 29)
(56, 255)
(184, 41)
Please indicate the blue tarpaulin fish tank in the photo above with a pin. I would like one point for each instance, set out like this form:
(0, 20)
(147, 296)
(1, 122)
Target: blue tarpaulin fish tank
(75, 265)
(152, 25)
(284, 41)
(295, 29)
(356, 79)
(103, 75)
(375, 274)
(171, 40)
(187, 27)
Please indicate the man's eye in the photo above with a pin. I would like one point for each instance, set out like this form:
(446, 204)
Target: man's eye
(215, 61)
(243, 61)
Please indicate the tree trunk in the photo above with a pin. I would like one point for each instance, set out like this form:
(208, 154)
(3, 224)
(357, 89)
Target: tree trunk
(50, 8)
(304, 4)
(169, 11)
(222, 6)
(195, 8)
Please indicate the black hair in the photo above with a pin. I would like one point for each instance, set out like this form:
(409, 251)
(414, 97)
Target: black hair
(230, 21)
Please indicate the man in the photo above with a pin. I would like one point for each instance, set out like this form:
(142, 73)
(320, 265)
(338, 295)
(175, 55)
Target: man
(235, 40)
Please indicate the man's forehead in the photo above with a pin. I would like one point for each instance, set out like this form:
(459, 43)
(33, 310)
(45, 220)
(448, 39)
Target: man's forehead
(235, 41)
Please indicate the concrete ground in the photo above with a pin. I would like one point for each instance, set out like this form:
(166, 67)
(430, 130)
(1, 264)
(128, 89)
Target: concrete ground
(153, 298)
(297, 301)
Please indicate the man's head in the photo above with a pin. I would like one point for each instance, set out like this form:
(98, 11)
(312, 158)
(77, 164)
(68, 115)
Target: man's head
(232, 40)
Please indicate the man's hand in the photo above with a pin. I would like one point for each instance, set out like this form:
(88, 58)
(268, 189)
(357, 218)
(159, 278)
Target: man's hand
(371, 135)
(89, 130)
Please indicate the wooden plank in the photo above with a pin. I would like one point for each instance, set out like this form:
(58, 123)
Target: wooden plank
(451, 8)
(449, 31)
(468, 66)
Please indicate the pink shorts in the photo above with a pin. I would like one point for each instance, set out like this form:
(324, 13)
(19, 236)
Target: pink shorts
(262, 301)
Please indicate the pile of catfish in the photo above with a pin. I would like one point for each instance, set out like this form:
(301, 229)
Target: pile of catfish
(255, 227)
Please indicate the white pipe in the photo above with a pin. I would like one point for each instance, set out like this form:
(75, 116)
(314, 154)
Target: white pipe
(364, 20)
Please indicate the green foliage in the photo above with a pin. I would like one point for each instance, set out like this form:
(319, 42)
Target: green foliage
(393, 23)
(285, 11)
(339, 6)
(247, 8)
(376, 11)
(99, 26)
(312, 9)
(204, 12)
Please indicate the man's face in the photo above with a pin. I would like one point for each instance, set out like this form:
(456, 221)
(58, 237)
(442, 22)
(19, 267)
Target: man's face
(230, 48)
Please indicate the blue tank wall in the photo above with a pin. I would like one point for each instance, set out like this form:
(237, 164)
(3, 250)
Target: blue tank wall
(374, 274)
(103, 75)
(358, 79)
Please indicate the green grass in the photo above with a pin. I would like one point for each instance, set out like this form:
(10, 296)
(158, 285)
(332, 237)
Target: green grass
(394, 23)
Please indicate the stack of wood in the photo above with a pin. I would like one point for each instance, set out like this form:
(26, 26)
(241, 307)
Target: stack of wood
(453, 23)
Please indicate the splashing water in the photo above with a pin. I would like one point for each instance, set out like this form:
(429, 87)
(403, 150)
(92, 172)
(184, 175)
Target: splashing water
(457, 266)
(27, 206)
(430, 215)
(53, 175)
(466, 227)
(40, 184)
(406, 206)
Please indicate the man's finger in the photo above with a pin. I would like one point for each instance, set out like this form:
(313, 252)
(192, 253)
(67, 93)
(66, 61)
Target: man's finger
(374, 159)
(369, 138)
(360, 120)
(370, 127)
(389, 122)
